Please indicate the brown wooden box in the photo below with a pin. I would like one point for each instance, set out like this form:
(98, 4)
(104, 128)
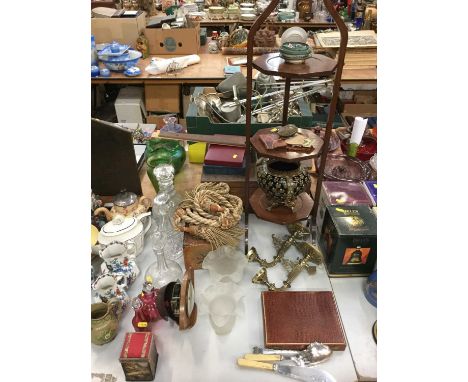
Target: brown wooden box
(139, 356)
(162, 98)
(195, 251)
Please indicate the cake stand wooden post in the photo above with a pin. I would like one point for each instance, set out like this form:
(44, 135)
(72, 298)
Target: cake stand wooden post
(332, 108)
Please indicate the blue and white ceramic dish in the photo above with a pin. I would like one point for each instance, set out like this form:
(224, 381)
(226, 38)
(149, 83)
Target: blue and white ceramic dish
(133, 71)
(119, 64)
(114, 50)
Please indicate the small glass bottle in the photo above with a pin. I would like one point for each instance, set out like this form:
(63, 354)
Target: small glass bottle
(162, 271)
(164, 206)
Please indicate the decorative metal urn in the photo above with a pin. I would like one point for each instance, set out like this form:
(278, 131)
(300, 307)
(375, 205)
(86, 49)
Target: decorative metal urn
(282, 182)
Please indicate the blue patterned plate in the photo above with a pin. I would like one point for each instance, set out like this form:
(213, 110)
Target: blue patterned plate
(132, 71)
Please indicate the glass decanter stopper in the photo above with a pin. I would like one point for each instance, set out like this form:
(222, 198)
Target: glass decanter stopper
(164, 206)
(162, 271)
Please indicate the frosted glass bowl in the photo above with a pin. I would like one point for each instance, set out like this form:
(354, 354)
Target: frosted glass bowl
(225, 264)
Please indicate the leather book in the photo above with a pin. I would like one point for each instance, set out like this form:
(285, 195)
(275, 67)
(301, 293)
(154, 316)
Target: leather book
(292, 320)
(219, 155)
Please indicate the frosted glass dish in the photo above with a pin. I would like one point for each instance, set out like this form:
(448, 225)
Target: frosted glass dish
(225, 264)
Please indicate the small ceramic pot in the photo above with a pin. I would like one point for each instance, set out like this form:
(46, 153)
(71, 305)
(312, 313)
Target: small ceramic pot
(130, 230)
(105, 321)
(119, 260)
(282, 182)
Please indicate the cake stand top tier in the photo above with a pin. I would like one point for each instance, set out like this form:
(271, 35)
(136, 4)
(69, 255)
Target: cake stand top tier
(317, 65)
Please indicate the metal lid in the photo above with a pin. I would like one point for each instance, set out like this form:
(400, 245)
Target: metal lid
(125, 199)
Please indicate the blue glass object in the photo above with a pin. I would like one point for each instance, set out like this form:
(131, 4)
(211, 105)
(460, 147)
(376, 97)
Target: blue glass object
(370, 290)
(358, 22)
(172, 126)
(94, 71)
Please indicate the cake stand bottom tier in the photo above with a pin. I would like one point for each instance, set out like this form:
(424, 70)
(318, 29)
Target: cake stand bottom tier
(282, 214)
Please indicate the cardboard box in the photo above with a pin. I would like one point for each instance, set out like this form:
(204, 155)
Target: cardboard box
(123, 30)
(129, 105)
(139, 356)
(178, 41)
(162, 98)
(344, 193)
(348, 240)
(360, 110)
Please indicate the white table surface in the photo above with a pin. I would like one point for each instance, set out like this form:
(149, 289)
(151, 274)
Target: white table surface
(358, 317)
(198, 354)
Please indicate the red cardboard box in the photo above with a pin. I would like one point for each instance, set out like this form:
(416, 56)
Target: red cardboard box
(139, 356)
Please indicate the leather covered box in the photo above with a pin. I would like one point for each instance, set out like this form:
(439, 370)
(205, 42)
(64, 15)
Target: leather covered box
(229, 156)
(348, 240)
(139, 356)
(294, 319)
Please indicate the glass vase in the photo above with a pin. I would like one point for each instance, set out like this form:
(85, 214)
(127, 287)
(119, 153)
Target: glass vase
(162, 271)
(164, 206)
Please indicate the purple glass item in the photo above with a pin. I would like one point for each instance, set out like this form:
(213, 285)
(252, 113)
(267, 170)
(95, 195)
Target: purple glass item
(171, 126)
(371, 188)
(346, 193)
(344, 168)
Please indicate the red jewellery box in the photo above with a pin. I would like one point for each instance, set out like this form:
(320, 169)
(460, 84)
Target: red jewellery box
(229, 156)
(139, 356)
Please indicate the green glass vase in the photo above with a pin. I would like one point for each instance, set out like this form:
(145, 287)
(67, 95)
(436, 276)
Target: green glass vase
(160, 151)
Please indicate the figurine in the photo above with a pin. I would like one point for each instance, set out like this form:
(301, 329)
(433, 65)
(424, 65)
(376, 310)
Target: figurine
(142, 45)
(146, 311)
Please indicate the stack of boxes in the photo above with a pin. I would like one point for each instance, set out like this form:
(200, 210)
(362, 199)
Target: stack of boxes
(224, 160)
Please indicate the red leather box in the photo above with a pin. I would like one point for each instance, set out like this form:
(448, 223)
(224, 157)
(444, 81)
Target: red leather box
(229, 156)
(139, 356)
